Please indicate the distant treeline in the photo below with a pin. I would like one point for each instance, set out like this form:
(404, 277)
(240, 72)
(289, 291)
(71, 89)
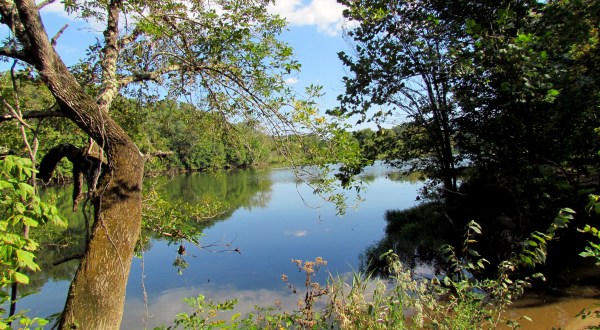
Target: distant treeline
(174, 136)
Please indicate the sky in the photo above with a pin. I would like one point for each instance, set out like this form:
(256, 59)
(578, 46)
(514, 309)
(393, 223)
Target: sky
(314, 32)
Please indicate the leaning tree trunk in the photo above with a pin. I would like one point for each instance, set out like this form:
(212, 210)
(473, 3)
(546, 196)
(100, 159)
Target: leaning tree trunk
(96, 295)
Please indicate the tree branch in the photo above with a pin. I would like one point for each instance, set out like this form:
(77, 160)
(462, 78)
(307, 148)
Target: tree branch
(10, 18)
(63, 260)
(13, 53)
(45, 3)
(130, 38)
(147, 75)
(158, 153)
(110, 85)
(33, 115)
(58, 34)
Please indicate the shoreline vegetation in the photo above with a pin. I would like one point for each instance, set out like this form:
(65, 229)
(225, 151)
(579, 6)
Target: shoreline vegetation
(511, 88)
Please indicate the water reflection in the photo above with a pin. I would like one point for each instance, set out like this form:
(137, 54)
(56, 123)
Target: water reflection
(267, 219)
(162, 308)
(248, 189)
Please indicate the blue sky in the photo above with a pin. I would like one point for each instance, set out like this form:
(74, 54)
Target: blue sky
(314, 31)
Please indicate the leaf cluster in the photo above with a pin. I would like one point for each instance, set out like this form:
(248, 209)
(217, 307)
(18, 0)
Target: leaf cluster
(20, 207)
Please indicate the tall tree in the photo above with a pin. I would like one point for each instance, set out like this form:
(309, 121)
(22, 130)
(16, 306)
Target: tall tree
(221, 54)
(400, 63)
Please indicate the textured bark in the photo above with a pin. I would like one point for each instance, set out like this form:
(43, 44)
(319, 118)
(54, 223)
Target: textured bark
(96, 295)
(110, 85)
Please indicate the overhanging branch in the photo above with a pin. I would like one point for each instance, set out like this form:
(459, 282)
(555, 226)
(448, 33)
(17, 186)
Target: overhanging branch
(147, 75)
(33, 115)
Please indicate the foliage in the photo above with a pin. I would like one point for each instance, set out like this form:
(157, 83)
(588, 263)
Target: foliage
(177, 222)
(184, 137)
(516, 91)
(204, 314)
(592, 250)
(33, 96)
(174, 221)
(400, 65)
(517, 86)
(19, 207)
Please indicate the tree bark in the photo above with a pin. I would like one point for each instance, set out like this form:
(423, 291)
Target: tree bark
(96, 295)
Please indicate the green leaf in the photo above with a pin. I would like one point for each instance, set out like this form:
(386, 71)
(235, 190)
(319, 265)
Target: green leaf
(20, 278)
(25, 259)
(474, 253)
(447, 281)
(30, 222)
(27, 189)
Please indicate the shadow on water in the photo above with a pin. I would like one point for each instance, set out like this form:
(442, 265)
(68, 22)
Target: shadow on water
(416, 234)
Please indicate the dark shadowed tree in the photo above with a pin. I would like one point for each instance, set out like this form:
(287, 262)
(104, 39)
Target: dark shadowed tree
(401, 64)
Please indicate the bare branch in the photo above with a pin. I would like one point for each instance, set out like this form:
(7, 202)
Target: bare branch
(14, 113)
(158, 153)
(45, 3)
(58, 34)
(33, 115)
(147, 76)
(69, 258)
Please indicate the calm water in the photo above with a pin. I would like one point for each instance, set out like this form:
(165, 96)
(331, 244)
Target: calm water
(272, 219)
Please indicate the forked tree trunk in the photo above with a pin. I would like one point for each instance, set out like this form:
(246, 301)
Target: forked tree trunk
(96, 295)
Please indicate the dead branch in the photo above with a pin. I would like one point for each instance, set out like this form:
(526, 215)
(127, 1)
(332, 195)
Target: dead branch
(44, 3)
(158, 153)
(58, 34)
(63, 260)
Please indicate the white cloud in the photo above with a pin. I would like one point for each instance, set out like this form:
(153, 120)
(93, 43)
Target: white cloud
(326, 15)
(55, 7)
(291, 81)
(58, 10)
(296, 233)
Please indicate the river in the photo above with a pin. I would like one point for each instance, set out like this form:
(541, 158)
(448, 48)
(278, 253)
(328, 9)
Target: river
(272, 218)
